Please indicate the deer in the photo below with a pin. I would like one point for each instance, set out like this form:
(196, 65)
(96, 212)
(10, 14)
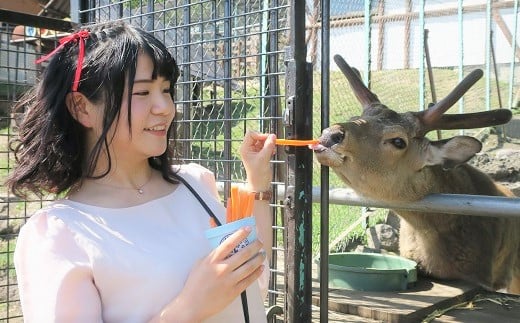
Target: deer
(385, 155)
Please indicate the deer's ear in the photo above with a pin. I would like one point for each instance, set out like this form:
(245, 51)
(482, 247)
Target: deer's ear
(452, 152)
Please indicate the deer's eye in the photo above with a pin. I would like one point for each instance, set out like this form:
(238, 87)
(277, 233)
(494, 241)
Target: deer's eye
(398, 143)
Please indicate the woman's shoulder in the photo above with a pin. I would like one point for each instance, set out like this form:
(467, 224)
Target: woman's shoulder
(192, 169)
(49, 220)
(196, 172)
(201, 178)
(60, 209)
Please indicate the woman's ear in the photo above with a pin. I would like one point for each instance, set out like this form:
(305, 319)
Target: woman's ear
(80, 108)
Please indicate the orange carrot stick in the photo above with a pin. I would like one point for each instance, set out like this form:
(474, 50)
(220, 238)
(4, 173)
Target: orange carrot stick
(240, 207)
(295, 142)
(250, 202)
(235, 197)
(229, 210)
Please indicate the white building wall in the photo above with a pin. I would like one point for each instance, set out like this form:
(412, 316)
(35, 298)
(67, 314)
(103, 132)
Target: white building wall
(444, 41)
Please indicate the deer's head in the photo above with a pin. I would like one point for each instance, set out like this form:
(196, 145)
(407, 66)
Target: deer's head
(384, 154)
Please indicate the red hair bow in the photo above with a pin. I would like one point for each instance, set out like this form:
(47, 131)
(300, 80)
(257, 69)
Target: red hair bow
(78, 36)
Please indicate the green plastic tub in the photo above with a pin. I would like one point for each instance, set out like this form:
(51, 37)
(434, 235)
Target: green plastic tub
(370, 271)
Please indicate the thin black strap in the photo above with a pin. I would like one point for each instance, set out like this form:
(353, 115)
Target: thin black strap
(245, 309)
(243, 295)
(200, 199)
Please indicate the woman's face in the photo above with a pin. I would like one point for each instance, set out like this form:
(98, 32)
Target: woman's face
(153, 111)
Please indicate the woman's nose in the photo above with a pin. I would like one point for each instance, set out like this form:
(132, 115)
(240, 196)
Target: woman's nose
(163, 104)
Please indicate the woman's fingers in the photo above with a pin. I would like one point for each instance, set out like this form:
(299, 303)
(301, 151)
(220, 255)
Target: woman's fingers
(248, 280)
(248, 260)
(256, 152)
(250, 265)
(227, 247)
(256, 141)
(240, 257)
(245, 254)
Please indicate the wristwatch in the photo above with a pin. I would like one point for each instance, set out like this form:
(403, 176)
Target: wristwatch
(264, 196)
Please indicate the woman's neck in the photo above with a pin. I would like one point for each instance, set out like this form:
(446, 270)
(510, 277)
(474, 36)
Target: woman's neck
(134, 178)
(122, 189)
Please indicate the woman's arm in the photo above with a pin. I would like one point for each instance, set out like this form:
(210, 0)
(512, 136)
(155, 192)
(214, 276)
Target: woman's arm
(215, 281)
(54, 277)
(256, 152)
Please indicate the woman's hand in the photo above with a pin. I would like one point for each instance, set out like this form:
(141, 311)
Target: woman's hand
(256, 152)
(215, 281)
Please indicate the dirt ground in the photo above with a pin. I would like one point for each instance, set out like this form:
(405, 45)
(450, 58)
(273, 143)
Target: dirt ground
(500, 158)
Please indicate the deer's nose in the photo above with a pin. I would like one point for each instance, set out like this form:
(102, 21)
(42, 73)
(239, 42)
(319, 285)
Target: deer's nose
(330, 137)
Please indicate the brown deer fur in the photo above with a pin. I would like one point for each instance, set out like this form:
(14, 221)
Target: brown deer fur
(384, 155)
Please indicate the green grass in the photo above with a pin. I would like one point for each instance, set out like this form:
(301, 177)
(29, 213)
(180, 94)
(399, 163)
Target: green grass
(4, 161)
(6, 256)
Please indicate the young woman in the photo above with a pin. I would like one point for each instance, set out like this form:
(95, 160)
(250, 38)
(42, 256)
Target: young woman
(126, 242)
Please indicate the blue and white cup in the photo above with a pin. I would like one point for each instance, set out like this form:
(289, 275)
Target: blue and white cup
(219, 234)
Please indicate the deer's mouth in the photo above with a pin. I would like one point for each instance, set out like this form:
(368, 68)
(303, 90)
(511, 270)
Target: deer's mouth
(317, 148)
(327, 156)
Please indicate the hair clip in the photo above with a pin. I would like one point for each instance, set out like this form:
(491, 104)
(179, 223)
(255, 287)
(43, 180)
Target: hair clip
(81, 36)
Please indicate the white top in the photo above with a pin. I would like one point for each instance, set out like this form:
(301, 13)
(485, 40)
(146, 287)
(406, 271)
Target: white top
(82, 263)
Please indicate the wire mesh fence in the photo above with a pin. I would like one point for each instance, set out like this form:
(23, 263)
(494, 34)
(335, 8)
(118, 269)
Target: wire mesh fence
(231, 56)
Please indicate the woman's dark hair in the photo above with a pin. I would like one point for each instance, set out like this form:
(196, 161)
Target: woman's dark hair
(50, 151)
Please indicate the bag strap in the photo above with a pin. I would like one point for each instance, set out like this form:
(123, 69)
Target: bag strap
(243, 295)
(200, 199)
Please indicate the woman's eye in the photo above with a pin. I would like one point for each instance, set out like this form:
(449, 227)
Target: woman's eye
(398, 143)
(166, 90)
(140, 93)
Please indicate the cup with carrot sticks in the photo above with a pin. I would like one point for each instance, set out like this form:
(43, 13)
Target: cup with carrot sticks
(219, 234)
(239, 213)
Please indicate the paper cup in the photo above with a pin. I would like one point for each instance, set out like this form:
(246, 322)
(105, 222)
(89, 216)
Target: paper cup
(218, 234)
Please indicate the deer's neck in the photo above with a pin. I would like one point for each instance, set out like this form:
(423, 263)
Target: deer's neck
(463, 179)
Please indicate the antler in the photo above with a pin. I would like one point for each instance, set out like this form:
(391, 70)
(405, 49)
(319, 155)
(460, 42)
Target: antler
(471, 120)
(363, 94)
(434, 118)
(434, 112)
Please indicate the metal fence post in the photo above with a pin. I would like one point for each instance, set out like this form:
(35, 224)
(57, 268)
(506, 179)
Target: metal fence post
(298, 202)
(324, 174)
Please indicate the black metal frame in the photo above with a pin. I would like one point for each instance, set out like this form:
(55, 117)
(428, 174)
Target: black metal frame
(298, 196)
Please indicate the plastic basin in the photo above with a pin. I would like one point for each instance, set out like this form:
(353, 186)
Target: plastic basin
(370, 271)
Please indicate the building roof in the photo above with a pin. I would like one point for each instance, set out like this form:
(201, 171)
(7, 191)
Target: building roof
(47, 8)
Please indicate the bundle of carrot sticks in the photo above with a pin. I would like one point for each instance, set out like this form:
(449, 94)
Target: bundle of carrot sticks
(239, 205)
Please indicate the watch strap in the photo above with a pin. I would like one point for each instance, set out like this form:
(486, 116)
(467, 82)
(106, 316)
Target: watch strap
(264, 196)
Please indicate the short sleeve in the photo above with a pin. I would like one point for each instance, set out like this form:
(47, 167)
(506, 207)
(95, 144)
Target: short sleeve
(54, 277)
(205, 177)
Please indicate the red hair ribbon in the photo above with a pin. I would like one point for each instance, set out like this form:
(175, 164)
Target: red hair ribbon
(81, 36)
